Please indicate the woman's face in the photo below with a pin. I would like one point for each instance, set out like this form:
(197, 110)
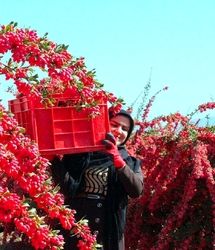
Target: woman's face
(119, 126)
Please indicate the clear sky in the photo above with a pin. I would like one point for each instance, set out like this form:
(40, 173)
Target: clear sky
(125, 40)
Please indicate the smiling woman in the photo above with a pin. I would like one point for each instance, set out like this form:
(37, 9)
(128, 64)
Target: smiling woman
(97, 184)
(119, 128)
(123, 122)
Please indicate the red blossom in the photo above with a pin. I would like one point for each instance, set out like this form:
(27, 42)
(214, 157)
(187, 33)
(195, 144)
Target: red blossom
(30, 54)
(178, 165)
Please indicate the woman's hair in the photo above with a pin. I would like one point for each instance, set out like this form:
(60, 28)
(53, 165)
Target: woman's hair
(126, 114)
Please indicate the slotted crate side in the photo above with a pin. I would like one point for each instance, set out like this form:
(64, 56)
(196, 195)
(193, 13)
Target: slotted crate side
(102, 121)
(20, 104)
(44, 128)
(26, 120)
(67, 123)
(20, 107)
(61, 130)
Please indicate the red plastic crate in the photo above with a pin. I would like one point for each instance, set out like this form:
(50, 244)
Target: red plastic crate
(61, 130)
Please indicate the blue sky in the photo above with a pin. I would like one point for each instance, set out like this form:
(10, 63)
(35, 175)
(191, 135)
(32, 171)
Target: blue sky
(126, 41)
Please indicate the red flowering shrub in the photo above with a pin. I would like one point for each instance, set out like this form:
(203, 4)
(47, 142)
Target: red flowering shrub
(39, 68)
(30, 205)
(177, 209)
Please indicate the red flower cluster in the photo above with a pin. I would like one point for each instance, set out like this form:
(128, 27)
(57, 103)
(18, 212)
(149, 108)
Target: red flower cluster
(177, 209)
(204, 107)
(40, 68)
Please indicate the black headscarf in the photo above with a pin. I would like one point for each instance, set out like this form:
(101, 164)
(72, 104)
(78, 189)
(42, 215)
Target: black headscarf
(126, 114)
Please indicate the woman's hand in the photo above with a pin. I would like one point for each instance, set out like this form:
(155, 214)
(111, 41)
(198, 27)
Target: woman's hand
(111, 149)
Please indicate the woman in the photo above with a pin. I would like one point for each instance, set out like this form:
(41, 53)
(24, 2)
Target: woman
(97, 184)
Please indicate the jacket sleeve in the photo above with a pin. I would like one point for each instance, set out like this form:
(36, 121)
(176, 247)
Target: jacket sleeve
(132, 180)
(61, 176)
(67, 172)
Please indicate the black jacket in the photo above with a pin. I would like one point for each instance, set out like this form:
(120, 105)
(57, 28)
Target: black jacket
(122, 183)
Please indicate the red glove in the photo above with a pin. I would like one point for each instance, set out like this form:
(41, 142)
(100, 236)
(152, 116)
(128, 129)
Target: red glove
(112, 149)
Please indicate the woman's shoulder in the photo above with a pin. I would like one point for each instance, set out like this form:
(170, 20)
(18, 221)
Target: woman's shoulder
(123, 152)
(132, 161)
